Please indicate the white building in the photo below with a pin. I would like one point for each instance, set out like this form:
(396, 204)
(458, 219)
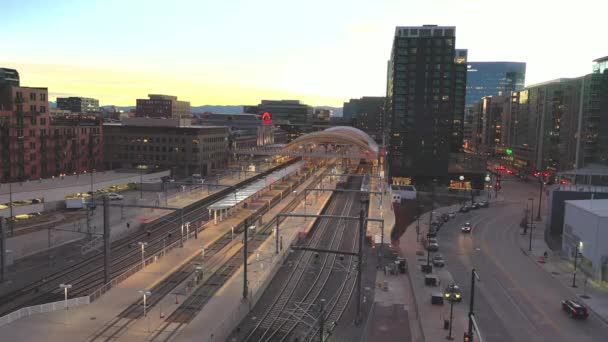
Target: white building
(586, 225)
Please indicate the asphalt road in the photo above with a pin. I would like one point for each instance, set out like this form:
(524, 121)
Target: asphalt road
(515, 299)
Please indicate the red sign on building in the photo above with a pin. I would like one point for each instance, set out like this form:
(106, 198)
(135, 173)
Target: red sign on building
(267, 118)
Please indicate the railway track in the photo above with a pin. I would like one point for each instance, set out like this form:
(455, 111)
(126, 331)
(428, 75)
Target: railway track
(184, 314)
(87, 275)
(214, 259)
(287, 315)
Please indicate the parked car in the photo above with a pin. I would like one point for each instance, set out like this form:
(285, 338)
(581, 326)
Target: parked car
(438, 261)
(114, 196)
(445, 217)
(452, 292)
(432, 246)
(484, 204)
(475, 206)
(432, 240)
(574, 309)
(464, 209)
(432, 232)
(452, 214)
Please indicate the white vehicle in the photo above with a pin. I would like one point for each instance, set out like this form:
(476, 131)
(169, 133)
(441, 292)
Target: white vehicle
(407, 192)
(466, 228)
(74, 203)
(114, 196)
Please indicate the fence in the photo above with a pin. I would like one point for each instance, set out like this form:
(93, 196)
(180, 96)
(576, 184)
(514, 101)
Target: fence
(42, 308)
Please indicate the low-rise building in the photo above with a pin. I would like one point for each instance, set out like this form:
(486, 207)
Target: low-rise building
(78, 104)
(166, 144)
(586, 232)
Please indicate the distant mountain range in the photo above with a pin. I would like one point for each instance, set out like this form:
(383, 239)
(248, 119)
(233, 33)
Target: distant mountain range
(213, 109)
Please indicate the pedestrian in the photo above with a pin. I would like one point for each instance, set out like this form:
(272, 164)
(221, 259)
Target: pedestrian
(128, 225)
(545, 254)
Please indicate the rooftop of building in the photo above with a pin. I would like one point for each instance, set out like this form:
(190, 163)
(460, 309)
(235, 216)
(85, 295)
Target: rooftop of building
(229, 117)
(599, 207)
(589, 170)
(161, 97)
(158, 122)
(601, 59)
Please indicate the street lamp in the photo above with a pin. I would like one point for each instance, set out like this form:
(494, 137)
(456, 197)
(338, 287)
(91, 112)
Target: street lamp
(461, 178)
(449, 337)
(143, 246)
(141, 180)
(65, 288)
(541, 179)
(145, 294)
(488, 179)
(531, 223)
(92, 171)
(472, 300)
(580, 243)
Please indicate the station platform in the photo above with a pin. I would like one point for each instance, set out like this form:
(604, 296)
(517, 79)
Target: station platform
(82, 322)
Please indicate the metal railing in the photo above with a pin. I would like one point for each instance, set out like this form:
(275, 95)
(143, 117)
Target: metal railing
(43, 308)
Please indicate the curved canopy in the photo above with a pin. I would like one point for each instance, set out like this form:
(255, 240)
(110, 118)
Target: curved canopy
(341, 135)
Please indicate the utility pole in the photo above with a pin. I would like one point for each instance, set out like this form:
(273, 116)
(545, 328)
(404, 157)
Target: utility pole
(106, 240)
(360, 261)
(245, 237)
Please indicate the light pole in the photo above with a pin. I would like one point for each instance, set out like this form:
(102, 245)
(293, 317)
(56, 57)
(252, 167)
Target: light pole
(541, 180)
(141, 182)
(65, 288)
(181, 241)
(461, 178)
(145, 294)
(531, 224)
(575, 260)
(143, 246)
(92, 171)
(472, 301)
(449, 337)
(488, 179)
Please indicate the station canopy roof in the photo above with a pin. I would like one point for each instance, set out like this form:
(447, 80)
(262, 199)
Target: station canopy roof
(236, 197)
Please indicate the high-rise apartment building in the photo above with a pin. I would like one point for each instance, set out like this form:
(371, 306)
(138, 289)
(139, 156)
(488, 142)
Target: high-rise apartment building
(163, 106)
(368, 114)
(493, 78)
(425, 103)
(78, 104)
(560, 125)
(289, 115)
(488, 124)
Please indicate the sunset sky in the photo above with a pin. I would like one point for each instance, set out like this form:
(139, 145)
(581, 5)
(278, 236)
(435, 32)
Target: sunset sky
(322, 52)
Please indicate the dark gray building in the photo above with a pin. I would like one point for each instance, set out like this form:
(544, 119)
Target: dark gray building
(166, 144)
(493, 78)
(368, 115)
(9, 77)
(289, 115)
(425, 103)
(78, 104)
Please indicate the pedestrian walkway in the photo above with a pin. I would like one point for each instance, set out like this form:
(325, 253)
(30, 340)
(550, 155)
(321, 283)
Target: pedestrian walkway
(429, 323)
(592, 293)
(81, 322)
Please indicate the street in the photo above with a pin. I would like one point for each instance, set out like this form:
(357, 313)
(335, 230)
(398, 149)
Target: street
(515, 299)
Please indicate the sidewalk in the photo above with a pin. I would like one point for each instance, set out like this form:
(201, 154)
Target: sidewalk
(591, 293)
(431, 326)
(85, 320)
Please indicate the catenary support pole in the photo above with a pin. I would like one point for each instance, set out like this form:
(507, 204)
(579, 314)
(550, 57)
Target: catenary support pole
(245, 238)
(106, 241)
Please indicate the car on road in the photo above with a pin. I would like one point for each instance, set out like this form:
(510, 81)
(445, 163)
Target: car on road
(466, 228)
(475, 206)
(484, 204)
(574, 309)
(438, 260)
(452, 214)
(432, 233)
(432, 246)
(114, 196)
(452, 292)
(464, 209)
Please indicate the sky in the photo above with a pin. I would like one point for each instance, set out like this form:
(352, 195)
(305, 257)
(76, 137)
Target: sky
(233, 52)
